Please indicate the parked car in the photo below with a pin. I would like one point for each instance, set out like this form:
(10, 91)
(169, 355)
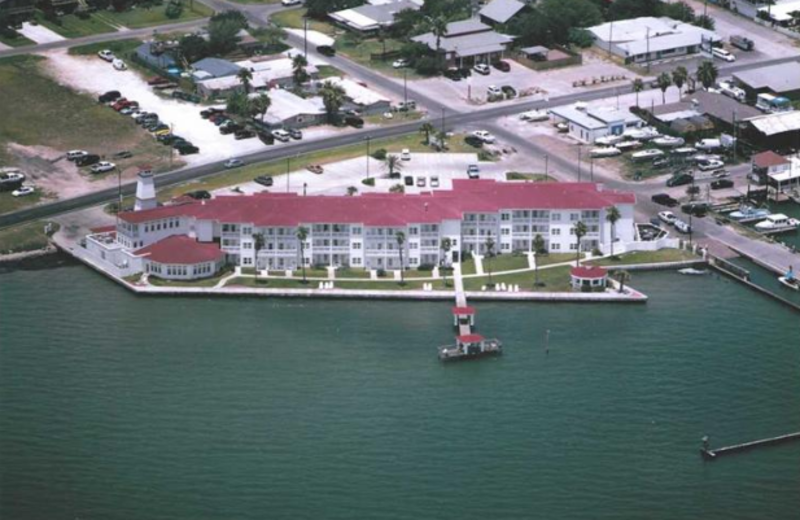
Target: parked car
(266, 138)
(680, 179)
(509, 91)
(473, 141)
(400, 64)
(205, 114)
(129, 110)
(667, 217)
(720, 184)
(199, 195)
(682, 227)
(295, 133)
(494, 91)
(289, 3)
(106, 55)
(326, 50)
(118, 64)
(482, 68)
(711, 165)
(124, 154)
(264, 180)
(742, 42)
(354, 121)
(421, 182)
(233, 163)
(244, 133)
(120, 103)
(281, 135)
(87, 160)
(73, 155)
(408, 180)
(453, 74)
(721, 173)
(484, 136)
(405, 106)
(719, 52)
(108, 97)
(434, 181)
(697, 208)
(23, 191)
(405, 155)
(473, 172)
(103, 167)
(188, 149)
(502, 66)
(157, 80)
(664, 199)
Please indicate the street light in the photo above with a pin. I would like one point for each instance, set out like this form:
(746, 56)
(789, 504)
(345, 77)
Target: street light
(546, 164)
(368, 139)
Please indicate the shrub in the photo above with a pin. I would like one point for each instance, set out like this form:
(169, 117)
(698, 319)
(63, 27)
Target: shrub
(596, 252)
(174, 9)
(381, 273)
(484, 155)
(380, 154)
(368, 182)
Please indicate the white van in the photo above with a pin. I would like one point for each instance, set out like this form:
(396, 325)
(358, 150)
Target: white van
(722, 54)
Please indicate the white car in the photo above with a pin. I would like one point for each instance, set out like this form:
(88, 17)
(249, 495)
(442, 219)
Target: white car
(289, 3)
(106, 55)
(76, 154)
(23, 191)
(118, 64)
(281, 135)
(484, 136)
(710, 165)
(535, 115)
(103, 166)
(482, 68)
(682, 226)
(434, 181)
(399, 64)
(722, 54)
(405, 155)
(473, 172)
(494, 91)
(233, 163)
(667, 217)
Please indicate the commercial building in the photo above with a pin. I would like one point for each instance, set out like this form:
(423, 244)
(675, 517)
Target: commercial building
(218, 77)
(775, 131)
(292, 111)
(360, 231)
(16, 11)
(588, 124)
(468, 42)
(782, 80)
(721, 110)
(648, 39)
(361, 98)
(370, 18)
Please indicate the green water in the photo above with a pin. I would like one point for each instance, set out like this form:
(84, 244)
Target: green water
(120, 407)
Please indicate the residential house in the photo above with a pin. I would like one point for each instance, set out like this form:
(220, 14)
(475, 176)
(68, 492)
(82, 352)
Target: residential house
(468, 42)
(370, 18)
(766, 164)
(360, 98)
(500, 12)
(289, 110)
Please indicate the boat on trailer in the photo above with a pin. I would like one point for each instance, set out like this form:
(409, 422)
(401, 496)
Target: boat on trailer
(470, 346)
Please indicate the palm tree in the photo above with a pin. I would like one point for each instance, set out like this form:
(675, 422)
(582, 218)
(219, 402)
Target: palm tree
(401, 240)
(707, 74)
(638, 86)
(258, 245)
(446, 245)
(302, 236)
(351, 190)
(260, 104)
(613, 216)
(622, 277)
(299, 74)
(441, 138)
(393, 165)
(427, 128)
(333, 97)
(664, 81)
(679, 77)
(538, 248)
(438, 26)
(580, 231)
(245, 77)
(489, 245)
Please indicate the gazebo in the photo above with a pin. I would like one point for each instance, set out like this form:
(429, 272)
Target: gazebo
(588, 278)
(464, 316)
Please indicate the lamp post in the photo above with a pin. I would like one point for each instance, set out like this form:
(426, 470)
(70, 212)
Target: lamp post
(580, 145)
(546, 165)
(591, 167)
(405, 90)
(368, 139)
(305, 37)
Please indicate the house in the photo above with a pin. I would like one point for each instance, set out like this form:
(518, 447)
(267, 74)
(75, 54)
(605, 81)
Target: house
(648, 39)
(588, 124)
(499, 12)
(16, 11)
(723, 111)
(268, 72)
(291, 111)
(153, 53)
(360, 231)
(364, 100)
(213, 68)
(370, 18)
(780, 13)
(766, 164)
(58, 6)
(775, 131)
(468, 42)
(780, 80)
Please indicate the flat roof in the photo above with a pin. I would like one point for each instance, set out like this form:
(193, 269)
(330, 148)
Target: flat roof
(778, 78)
(358, 93)
(579, 117)
(640, 35)
(469, 44)
(773, 124)
(286, 105)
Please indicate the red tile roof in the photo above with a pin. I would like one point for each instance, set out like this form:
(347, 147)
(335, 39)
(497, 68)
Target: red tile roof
(463, 311)
(589, 272)
(182, 250)
(470, 338)
(391, 209)
(769, 158)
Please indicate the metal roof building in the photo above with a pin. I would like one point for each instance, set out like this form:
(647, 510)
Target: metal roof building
(500, 11)
(783, 79)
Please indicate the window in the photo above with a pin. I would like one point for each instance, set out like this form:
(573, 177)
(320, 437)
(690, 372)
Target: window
(572, 231)
(505, 216)
(356, 261)
(574, 217)
(356, 245)
(413, 245)
(556, 216)
(356, 230)
(455, 242)
(413, 231)
(247, 230)
(505, 231)
(505, 247)
(555, 231)
(573, 247)
(555, 247)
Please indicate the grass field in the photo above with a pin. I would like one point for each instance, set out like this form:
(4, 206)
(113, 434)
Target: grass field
(17, 40)
(147, 17)
(361, 50)
(9, 203)
(533, 177)
(329, 71)
(70, 26)
(647, 257)
(555, 280)
(24, 237)
(293, 19)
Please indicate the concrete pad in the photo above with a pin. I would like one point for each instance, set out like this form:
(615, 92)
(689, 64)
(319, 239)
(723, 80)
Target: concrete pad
(39, 33)
(315, 38)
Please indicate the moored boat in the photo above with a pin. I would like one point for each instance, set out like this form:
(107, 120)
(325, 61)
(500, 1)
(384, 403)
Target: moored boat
(669, 141)
(693, 272)
(749, 213)
(777, 223)
(470, 346)
(792, 283)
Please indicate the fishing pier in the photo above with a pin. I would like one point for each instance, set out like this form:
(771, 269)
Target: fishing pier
(711, 454)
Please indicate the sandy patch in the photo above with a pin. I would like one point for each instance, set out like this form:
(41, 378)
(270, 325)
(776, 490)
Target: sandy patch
(39, 33)
(47, 169)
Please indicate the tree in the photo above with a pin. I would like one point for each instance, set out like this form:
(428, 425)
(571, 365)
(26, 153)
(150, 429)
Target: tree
(258, 245)
(320, 9)
(489, 245)
(580, 231)
(401, 240)
(622, 277)
(238, 104)
(638, 86)
(302, 236)
(351, 190)
(427, 128)
(446, 245)
(260, 104)
(678, 11)
(664, 81)
(193, 47)
(272, 35)
(613, 216)
(679, 77)
(223, 30)
(299, 74)
(707, 74)
(705, 21)
(441, 140)
(393, 165)
(245, 76)
(438, 26)
(538, 249)
(333, 97)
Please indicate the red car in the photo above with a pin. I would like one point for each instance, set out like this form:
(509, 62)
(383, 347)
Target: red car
(120, 104)
(502, 66)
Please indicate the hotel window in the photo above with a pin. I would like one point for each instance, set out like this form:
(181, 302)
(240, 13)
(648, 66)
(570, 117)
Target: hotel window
(413, 245)
(356, 230)
(572, 231)
(505, 231)
(356, 261)
(455, 242)
(413, 231)
(356, 245)
(505, 246)
(505, 216)
(574, 217)
(247, 230)
(555, 231)
(573, 247)
(555, 247)
(556, 216)
(247, 245)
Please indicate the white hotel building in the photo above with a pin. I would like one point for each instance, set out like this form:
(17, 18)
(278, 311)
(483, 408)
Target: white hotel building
(183, 240)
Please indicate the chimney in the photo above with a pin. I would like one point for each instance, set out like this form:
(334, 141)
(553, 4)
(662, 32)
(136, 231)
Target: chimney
(145, 191)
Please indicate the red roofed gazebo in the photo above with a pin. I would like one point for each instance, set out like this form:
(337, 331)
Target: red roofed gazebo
(464, 316)
(588, 278)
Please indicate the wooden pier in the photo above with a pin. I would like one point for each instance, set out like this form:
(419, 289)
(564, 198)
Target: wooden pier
(707, 453)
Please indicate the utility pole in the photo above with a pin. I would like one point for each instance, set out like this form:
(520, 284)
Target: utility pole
(305, 37)
(735, 139)
(368, 138)
(546, 164)
(591, 167)
(610, 36)
(405, 90)
(119, 193)
(288, 169)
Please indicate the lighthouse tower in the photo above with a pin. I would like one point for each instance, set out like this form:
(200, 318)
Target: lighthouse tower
(145, 191)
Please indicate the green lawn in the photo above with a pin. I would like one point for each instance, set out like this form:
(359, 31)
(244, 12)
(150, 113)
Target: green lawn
(361, 50)
(17, 40)
(506, 262)
(118, 47)
(555, 280)
(24, 237)
(139, 17)
(329, 71)
(293, 19)
(351, 272)
(555, 258)
(8, 203)
(647, 257)
(371, 285)
(261, 2)
(70, 26)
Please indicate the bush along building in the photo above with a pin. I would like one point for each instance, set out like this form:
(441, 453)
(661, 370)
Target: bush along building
(195, 239)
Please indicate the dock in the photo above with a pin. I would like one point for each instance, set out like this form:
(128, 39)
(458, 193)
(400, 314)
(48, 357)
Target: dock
(743, 276)
(709, 454)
